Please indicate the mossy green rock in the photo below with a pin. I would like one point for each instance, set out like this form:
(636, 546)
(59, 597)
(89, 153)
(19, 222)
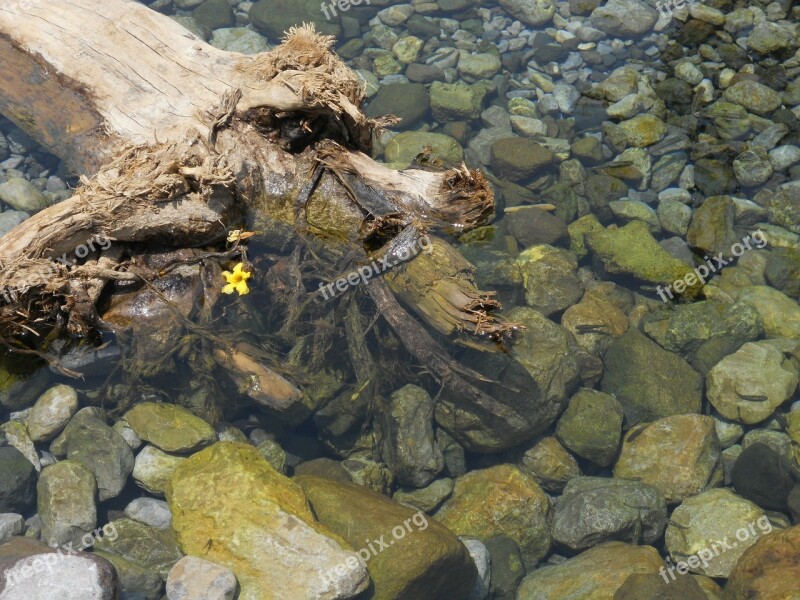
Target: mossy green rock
(426, 563)
(231, 507)
(591, 426)
(456, 101)
(148, 547)
(643, 130)
(647, 393)
(403, 147)
(550, 278)
(275, 17)
(632, 250)
(519, 158)
(705, 332)
(170, 427)
(500, 500)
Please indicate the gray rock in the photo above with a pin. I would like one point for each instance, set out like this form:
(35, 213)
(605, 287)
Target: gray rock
(426, 499)
(66, 577)
(624, 18)
(66, 503)
(598, 509)
(531, 12)
(674, 216)
(480, 556)
(409, 448)
(752, 167)
(754, 96)
(22, 195)
(150, 511)
(784, 157)
(10, 219)
(153, 468)
(193, 578)
(52, 412)
(239, 39)
(89, 440)
(148, 547)
(10, 524)
(508, 567)
(750, 384)
(631, 210)
(17, 481)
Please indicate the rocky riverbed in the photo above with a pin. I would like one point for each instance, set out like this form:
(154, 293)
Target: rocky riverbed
(647, 168)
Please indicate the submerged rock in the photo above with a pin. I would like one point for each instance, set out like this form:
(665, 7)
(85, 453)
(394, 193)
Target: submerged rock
(489, 502)
(66, 503)
(763, 476)
(550, 278)
(193, 578)
(769, 569)
(150, 548)
(409, 447)
(407, 554)
(591, 426)
(597, 573)
(751, 383)
(679, 455)
(719, 515)
(647, 393)
(258, 524)
(52, 412)
(550, 464)
(17, 481)
(169, 427)
(598, 509)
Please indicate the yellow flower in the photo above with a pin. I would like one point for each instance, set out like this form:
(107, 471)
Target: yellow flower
(237, 281)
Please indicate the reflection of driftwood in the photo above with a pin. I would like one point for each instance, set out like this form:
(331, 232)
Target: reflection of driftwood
(179, 143)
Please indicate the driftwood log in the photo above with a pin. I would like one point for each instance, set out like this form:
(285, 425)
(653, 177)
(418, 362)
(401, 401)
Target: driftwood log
(179, 143)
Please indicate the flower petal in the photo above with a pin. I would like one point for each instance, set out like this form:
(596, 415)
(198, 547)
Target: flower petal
(228, 289)
(242, 288)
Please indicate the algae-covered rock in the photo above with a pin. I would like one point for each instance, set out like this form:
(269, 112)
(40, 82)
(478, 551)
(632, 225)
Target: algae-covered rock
(409, 101)
(169, 427)
(550, 464)
(679, 455)
(409, 447)
(408, 555)
(456, 101)
(426, 499)
(148, 547)
(89, 440)
(643, 130)
(500, 500)
(647, 393)
(258, 523)
(591, 426)
(705, 332)
(403, 147)
(597, 573)
(550, 278)
(66, 503)
(632, 250)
